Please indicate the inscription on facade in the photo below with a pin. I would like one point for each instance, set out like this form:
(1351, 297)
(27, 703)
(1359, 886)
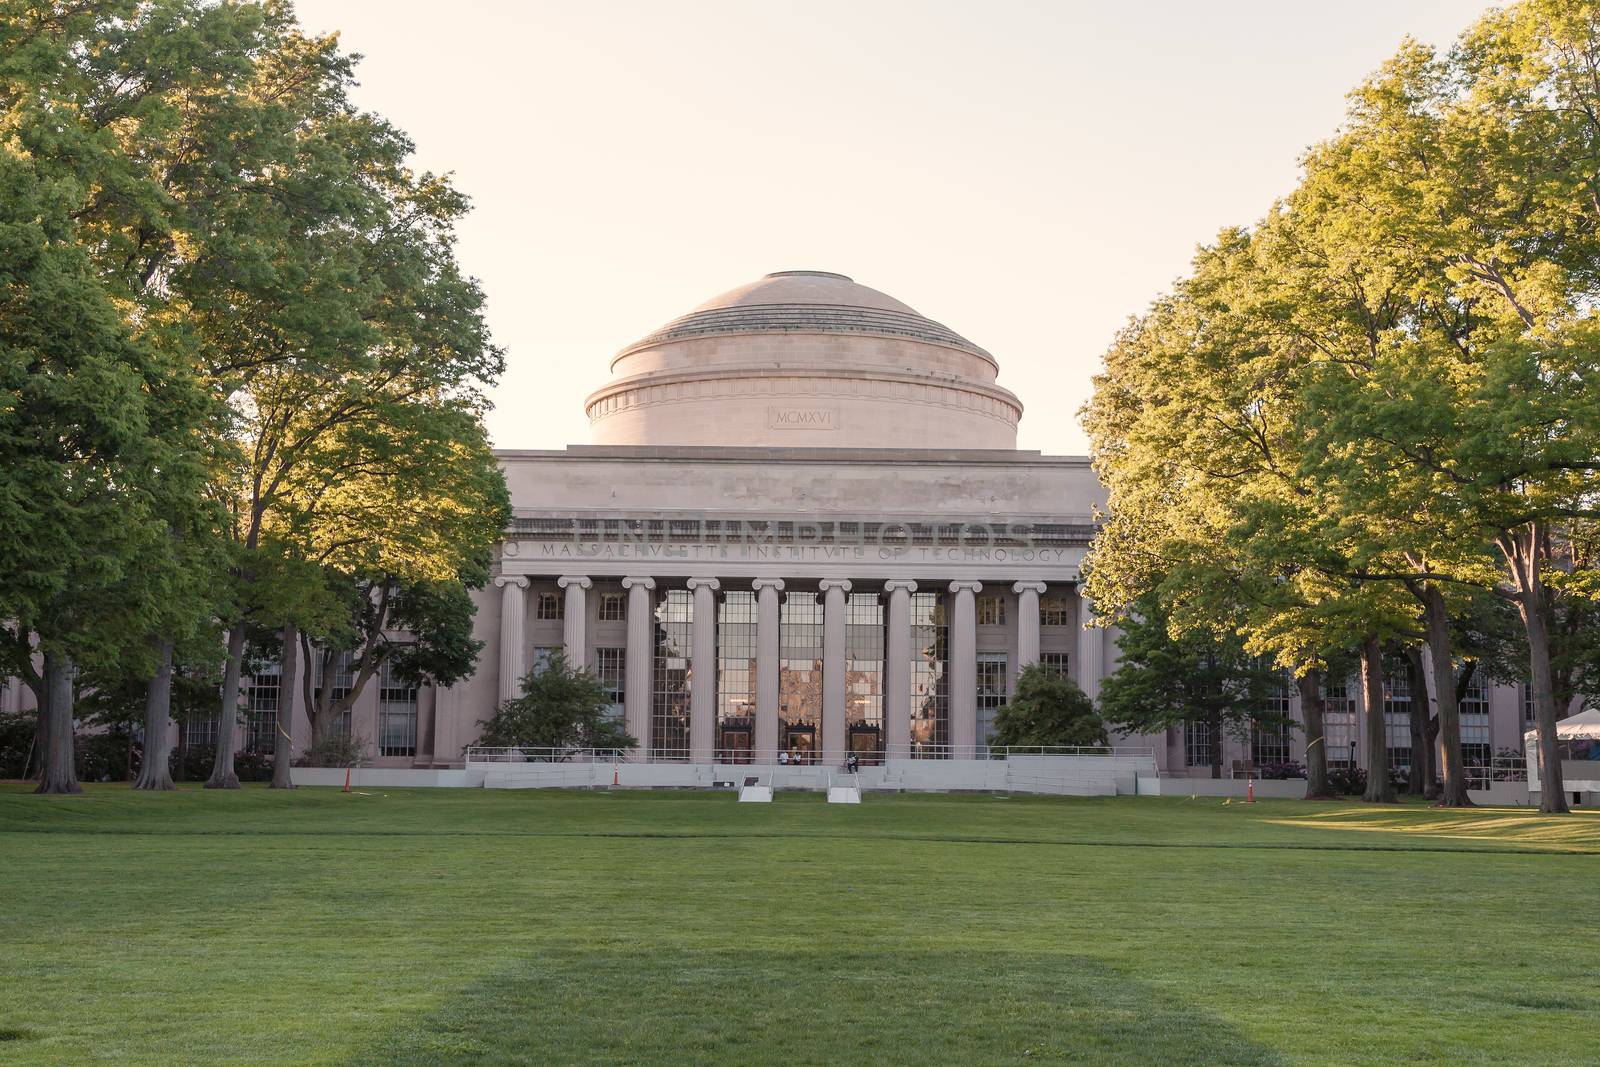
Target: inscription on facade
(802, 418)
(576, 550)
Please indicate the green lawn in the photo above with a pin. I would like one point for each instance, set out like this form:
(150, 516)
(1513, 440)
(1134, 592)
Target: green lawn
(424, 927)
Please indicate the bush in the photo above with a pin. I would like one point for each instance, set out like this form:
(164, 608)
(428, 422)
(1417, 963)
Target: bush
(1048, 711)
(1347, 781)
(1283, 771)
(561, 707)
(335, 750)
(16, 743)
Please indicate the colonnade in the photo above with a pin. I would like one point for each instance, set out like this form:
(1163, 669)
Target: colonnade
(1087, 655)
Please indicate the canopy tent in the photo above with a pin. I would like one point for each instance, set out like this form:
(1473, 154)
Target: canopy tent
(1584, 724)
(1579, 738)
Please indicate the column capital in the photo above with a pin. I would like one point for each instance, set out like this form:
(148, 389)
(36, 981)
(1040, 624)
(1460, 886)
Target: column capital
(705, 583)
(759, 584)
(580, 580)
(631, 581)
(520, 581)
(828, 584)
(966, 587)
(1028, 587)
(900, 585)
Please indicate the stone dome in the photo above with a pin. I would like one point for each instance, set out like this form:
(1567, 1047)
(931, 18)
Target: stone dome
(804, 358)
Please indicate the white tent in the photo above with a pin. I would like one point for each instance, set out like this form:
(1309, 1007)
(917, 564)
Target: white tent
(1584, 726)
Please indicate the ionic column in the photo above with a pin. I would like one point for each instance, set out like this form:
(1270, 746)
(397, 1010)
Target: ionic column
(768, 667)
(964, 669)
(703, 668)
(897, 670)
(1090, 642)
(834, 668)
(1027, 622)
(637, 694)
(574, 615)
(513, 615)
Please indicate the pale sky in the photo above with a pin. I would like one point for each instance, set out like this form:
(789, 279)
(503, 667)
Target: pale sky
(1030, 174)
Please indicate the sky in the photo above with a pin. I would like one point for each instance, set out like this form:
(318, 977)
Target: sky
(1029, 174)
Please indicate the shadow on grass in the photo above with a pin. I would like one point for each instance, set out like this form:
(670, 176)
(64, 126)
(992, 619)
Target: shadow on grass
(804, 1007)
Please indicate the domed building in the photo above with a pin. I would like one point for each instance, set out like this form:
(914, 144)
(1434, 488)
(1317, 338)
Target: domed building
(802, 529)
(805, 358)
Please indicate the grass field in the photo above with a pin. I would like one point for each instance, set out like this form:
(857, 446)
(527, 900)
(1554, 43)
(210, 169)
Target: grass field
(425, 927)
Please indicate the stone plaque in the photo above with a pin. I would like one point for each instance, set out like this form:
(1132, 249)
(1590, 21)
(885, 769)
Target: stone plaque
(787, 418)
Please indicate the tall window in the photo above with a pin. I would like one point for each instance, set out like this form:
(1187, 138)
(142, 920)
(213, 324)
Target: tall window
(1197, 743)
(1397, 719)
(669, 705)
(549, 606)
(1269, 742)
(611, 607)
(1477, 749)
(799, 673)
(198, 733)
(1530, 707)
(1339, 722)
(611, 666)
(736, 674)
(397, 714)
(261, 708)
(1055, 663)
(991, 611)
(1054, 611)
(930, 685)
(863, 650)
(991, 694)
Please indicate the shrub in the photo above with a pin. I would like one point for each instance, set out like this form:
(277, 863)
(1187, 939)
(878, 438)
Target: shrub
(1049, 711)
(335, 750)
(1285, 770)
(1347, 781)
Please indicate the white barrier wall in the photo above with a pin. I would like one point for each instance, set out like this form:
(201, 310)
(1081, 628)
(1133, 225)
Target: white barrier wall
(1059, 775)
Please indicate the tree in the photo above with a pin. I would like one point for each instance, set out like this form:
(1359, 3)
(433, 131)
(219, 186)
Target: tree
(422, 631)
(96, 448)
(1468, 177)
(560, 708)
(1197, 431)
(1047, 711)
(1168, 679)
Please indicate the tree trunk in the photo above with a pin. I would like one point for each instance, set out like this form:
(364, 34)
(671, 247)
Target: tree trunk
(1419, 782)
(155, 769)
(1379, 789)
(222, 774)
(1524, 551)
(57, 773)
(282, 735)
(1311, 714)
(1214, 725)
(1552, 784)
(1453, 791)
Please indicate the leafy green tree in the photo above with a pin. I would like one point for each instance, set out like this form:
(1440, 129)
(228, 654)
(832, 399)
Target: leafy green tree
(560, 708)
(1466, 178)
(422, 631)
(96, 448)
(1048, 710)
(1167, 679)
(1197, 431)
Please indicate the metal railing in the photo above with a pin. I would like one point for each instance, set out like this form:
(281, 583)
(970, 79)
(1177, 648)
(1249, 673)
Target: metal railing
(745, 757)
(1500, 769)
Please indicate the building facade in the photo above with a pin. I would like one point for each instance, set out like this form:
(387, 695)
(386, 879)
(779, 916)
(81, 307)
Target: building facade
(802, 527)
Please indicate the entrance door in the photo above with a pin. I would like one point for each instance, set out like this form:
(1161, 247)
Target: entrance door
(736, 745)
(866, 741)
(800, 741)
